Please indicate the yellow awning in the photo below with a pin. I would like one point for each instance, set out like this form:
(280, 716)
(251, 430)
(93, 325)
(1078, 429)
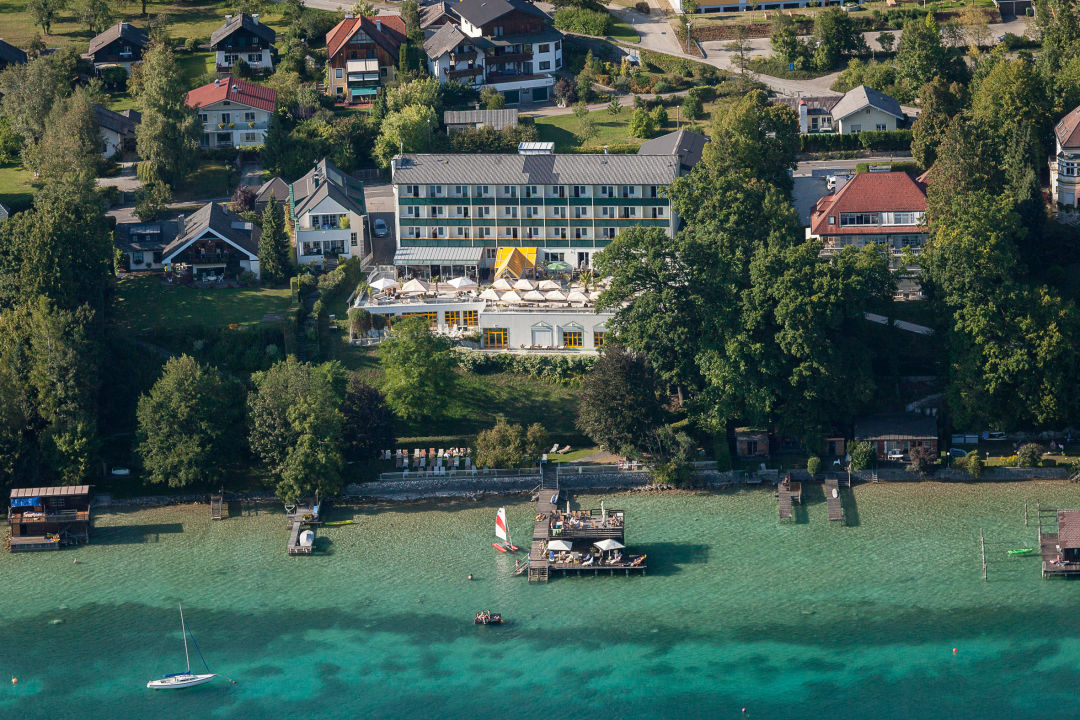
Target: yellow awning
(514, 261)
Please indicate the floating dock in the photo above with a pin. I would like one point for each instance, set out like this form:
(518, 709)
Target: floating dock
(833, 500)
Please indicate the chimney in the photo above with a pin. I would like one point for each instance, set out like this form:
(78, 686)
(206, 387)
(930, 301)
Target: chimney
(804, 126)
(378, 24)
(255, 17)
(228, 19)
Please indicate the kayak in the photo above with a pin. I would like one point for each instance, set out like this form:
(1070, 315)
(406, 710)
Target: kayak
(341, 522)
(1022, 551)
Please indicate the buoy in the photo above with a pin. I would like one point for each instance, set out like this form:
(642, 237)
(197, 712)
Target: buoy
(954, 651)
(14, 681)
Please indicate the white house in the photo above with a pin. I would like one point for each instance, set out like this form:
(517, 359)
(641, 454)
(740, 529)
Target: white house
(861, 109)
(213, 243)
(243, 37)
(328, 214)
(117, 130)
(234, 113)
(508, 45)
(1065, 165)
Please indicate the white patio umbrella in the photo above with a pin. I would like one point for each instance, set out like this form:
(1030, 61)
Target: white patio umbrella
(555, 295)
(462, 283)
(511, 298)
(502, 284)
(547, 285)
(534, 296)
(594, 295)
(577, 296)
(609, 544)
(415, 286)
(490, 294)
(559, 545)
(385, 284)
(524, 284)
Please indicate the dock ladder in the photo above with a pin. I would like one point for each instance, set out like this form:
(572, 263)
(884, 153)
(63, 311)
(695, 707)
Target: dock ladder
(217, 504)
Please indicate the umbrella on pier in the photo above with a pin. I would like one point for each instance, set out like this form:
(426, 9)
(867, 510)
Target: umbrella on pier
(534, 296)
(384, 284)
(546, 285)
(608, 544)
(462, 283)
(415, 287)
(559, 545)
(490, 294)
(502, 284)
(524, 284)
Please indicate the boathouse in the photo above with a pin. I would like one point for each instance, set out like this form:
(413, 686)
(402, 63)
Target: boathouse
(898, 431)
(48, 518)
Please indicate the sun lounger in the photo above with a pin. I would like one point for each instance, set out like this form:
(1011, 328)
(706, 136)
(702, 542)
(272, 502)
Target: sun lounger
(565, 449)
(554, 448)
(638, 560)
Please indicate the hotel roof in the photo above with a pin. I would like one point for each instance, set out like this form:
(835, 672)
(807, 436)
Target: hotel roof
(513, 169)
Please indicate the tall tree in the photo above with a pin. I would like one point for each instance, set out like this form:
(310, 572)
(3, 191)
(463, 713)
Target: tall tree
(500, 446)
(620, 406)
(30, 91)
(275, 252)
(188, 424)
(940, 101)
(418, 370)
(836, 37)
(407, 130)
(758, 136)
(921, 56)
(167, 137)
(368, 421)
(48, 371)
(71, 143)
(96, 15)
(296, 428)
(44, 12)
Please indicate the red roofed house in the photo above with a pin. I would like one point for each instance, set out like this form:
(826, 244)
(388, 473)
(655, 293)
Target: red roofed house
(234, 113)
(873, 207)
(1065, 165)
(362, 54)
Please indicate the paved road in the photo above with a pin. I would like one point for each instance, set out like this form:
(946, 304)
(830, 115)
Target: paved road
(380, 205)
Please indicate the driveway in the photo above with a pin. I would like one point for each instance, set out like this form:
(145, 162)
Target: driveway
(379, 200)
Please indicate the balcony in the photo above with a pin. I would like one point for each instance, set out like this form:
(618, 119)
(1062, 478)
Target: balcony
(510, 57)
(466, 73)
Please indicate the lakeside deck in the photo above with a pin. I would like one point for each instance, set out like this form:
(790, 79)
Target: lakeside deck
(788, 493)
(301, 518)
(833, 500)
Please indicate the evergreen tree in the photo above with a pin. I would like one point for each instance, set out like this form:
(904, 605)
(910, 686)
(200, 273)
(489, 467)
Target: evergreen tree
(275, 252)
(167, 138)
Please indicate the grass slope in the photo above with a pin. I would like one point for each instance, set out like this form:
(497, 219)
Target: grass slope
(145, 302)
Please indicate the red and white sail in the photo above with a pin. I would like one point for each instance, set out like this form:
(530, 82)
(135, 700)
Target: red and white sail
(500, 524)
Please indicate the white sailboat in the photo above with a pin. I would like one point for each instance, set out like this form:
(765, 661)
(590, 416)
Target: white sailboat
(502, 531)
(185, 679)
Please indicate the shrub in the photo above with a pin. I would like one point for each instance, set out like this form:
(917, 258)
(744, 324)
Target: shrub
(973, 464)
(243, 199)
(662, 86)
(1029, 454)
(247, 277)
(307, 284)
(862, 456)
(869, 140)
(704, 93)
(813, 465)
(241, 69)
(923, 460)
(191, 44)
(583, 22)
(642, 7)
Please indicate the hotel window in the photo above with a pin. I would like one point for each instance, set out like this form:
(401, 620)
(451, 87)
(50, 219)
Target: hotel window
(572, 338)
(654, 191)
(484, 232)
(463, 232)
(531, 212)
(482, 190)
(658, 212)
(203, 117)
(226, 118)
(881, 127)
(607, 191)
(495, 337)
(410, 190)
(461, 190)
(577, 191)
(510, 211)
(581, 212)
(598, 337)
(483, 211)
(352, 239)
(249, 117)
(436, 211)
(558, 233)
(533, 232)
(434, 190)
(510, 190)
(530, 191)
(254, 57)
(558, 191)
(453, 317)
(412, 211)
(581, 233)
(558, 211)
(607, 233)
(463, 211)
(629, 191)
(859, 219)
(251, 137)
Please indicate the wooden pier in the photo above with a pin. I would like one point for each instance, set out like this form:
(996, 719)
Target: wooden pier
(217, 506)
(1060, 550)
(788, 492)
(594, 525)
(833, 501)
(302, 518)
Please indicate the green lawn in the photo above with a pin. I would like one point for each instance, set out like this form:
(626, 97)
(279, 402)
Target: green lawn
(610, 129)
(212, 178)
(197, 19)
(623, 31)
(145, 302)
(16, 192)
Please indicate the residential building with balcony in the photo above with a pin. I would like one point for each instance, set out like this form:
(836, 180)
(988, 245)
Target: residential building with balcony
(121, 45)
(233, 112)
(508, 45)
(328, 216)
(362, 55)
(437, 14)
(460, 211)
(213, 243)
(243, 37)
(886, 208)
(1065, 164)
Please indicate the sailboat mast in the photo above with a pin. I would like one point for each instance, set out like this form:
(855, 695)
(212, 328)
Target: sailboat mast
(183, 631)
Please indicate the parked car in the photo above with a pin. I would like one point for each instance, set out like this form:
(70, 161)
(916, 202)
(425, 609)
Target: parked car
(831, 180)
(896, 454)
(993, 435)
(957, 453)
(380, 227)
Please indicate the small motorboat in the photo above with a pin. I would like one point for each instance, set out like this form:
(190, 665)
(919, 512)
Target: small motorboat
(486, 617)
(1022, 551)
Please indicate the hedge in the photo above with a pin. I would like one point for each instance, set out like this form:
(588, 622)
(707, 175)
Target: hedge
(869, 140)
(552, 368)
(582, 21)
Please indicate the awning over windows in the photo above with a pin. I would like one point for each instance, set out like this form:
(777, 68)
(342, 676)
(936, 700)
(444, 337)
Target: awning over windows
(438, 255)
(354, 66)
(361, 91)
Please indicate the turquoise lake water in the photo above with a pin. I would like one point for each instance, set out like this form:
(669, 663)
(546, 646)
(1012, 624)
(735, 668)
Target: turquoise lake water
(793, 620)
